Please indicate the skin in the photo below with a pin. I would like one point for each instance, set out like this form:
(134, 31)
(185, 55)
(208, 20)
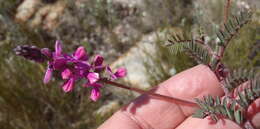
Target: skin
(146, 112)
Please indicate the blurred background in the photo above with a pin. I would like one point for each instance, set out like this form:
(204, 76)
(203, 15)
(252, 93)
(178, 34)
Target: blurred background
(128, 33)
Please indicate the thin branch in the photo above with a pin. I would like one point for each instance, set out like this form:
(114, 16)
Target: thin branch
(226, 11)
(226, 14)
(158, 96)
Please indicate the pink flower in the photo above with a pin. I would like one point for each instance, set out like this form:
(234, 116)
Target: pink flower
(57, 62)
(48, 75)
(121, 72)
(95, 94)
(92, 77)
(58, 48)
(68, 85)
(72, 67)
(80, 54)
(66, 74)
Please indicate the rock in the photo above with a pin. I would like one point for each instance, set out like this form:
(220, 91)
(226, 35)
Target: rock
(126, 33)
(143, 62)
(52, 18)
(130, 3)
(27, 9)
(36, 13)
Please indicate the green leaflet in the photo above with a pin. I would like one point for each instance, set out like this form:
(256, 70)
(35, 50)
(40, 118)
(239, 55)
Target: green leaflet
(215, 107)
(232, 27)
(238, 117)
(199, 52)
(191, 48)
(228, 107)
(199, 114)
(238, 77)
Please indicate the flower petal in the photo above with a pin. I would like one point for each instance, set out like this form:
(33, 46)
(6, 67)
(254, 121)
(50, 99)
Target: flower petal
(93, 77)
(99, 69)
(68, 85)
(112, 75)
(58, 48)
(81, 69)
(80, 53)
(66, 74)
(59, 63)
(95, 94)
(121, 72)
(82, 65)
(98, 60)
(48, 75)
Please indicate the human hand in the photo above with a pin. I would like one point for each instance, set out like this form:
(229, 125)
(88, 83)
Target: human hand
(148, 113)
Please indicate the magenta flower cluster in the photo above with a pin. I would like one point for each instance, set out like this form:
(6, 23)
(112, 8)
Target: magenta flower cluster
(74, 67)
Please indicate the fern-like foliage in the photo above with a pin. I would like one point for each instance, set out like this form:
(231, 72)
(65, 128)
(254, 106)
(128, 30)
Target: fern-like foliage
(232, 27)
(197, 52)
(248, 95)
(193, 48)
(238, 77)
(217, 108)
(234, 104)
(230, 108)
(202, 52)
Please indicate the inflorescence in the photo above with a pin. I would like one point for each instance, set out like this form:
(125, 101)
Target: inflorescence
(72, 67)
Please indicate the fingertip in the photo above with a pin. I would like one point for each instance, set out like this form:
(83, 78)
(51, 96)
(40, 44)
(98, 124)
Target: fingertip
(120, 120)
(253, 113)
(206, 123)
(193, 83)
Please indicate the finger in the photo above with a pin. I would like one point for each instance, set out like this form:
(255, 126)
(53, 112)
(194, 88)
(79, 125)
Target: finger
(253, 113)
(197, 123)
(148, 113)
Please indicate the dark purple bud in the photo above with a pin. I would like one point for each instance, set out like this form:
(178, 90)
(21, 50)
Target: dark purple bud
(222, 72)
(30, 52)
(47, 52)
(98, 60)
